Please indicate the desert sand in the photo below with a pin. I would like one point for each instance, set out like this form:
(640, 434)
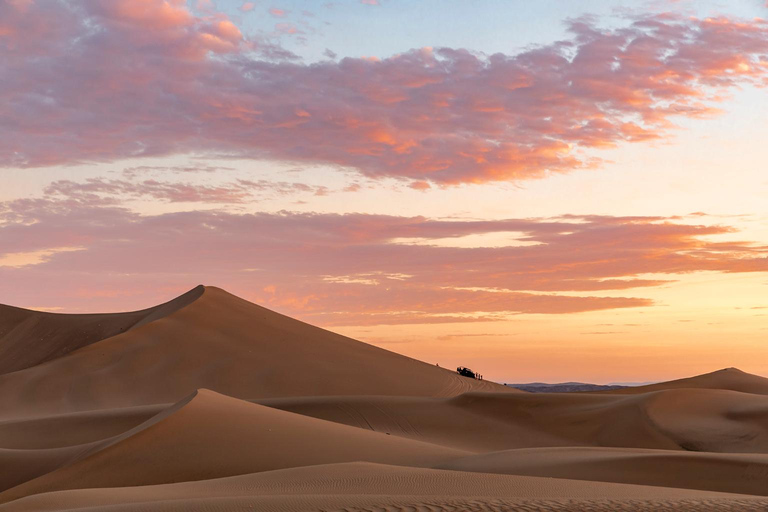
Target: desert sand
(211, 403)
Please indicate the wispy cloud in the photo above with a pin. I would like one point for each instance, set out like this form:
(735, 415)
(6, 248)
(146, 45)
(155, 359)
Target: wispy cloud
(134, 172)
(100, 191)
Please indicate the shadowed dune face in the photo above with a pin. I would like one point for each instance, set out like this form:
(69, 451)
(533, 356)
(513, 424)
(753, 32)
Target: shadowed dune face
(736, 473)
(106, 414)
(367, 486)
(208, 435)
(712, 419)
(72, 429)
(678, 419)
(19, 466)
(483, 422)
(29, 338)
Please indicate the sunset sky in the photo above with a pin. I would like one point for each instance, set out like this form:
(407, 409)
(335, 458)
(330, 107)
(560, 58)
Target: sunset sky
(547, 190)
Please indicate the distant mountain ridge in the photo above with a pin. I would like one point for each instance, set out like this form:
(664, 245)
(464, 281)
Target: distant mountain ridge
(731, 379)
(564, 387)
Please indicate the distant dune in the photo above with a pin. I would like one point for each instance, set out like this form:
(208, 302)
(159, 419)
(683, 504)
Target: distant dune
(728, 378)
(211, 403)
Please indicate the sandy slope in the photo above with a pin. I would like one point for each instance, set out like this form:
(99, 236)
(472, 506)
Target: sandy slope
(678, 419)
(226, 344)
(433, 503)
(19, 466)
(76, 428)
(725, 472)
(29, 338)
(103, 413)
(356, 486)
(208, 435)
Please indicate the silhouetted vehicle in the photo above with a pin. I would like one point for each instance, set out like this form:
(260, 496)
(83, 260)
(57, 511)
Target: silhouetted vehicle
(466, 372)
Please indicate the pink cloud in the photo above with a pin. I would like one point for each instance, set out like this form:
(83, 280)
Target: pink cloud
(247, 6)
(133, 172)
(118, 79)
(351, 269)
(278, 13)
(287, 29)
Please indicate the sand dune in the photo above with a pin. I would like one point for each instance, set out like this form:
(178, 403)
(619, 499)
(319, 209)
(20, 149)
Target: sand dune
(679, 419)
(735, 473)
(700, 420)
(712, 420)
(432, 503)
(731, 379)
(487, 422)
(102, 413)
(19, 466)
(226, 344)
(73, 428)
(208, 435)
(366, 486)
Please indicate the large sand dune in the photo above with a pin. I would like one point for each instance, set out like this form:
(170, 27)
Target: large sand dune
(228, 345)
(106, 412)
(366, 486)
